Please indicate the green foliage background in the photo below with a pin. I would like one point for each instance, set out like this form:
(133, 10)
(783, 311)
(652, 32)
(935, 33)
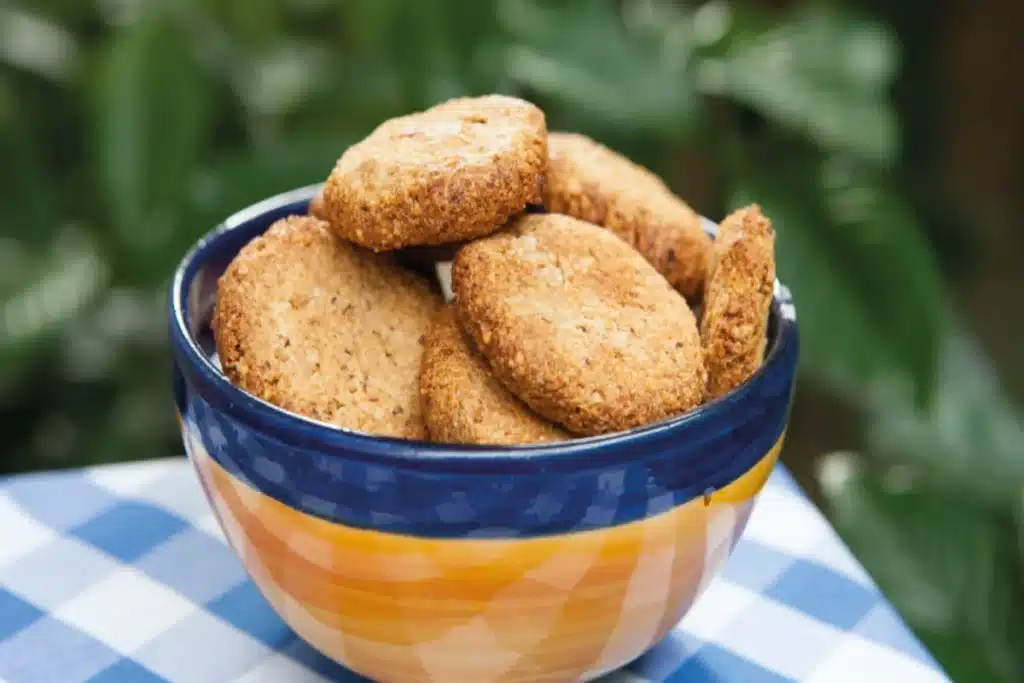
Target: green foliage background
(128, 128)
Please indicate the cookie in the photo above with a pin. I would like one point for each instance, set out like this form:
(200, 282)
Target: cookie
(463, 403)
(578, 325)
(593, 183)
(451, 173)
(737, 299)
(324, 329)
(316, 206)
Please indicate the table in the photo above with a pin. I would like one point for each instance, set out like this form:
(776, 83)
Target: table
(120, 574)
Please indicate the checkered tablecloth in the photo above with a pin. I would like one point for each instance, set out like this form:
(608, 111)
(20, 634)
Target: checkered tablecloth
(119, 574)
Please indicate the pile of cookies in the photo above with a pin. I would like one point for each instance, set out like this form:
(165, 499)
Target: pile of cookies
(571, 284)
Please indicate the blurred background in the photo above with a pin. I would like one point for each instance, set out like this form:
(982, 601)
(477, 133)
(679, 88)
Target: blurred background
(885, 138)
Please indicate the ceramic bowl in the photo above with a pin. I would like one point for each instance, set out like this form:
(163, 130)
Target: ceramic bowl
(417, 562)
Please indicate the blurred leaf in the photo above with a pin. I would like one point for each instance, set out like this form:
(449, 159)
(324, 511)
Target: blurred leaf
(122, 13)
(867, 292)
(477, 43)
(369, 24)
(968, 441)
(616, 80)
(667, 26)
(949, 566)
(822, 74)
(238, 180)
(122, 323)
(274, 84)
(433, 48)
(895, 265)
(58, 290)
(425, 63)
(254, 21)
(139, 412)
(36, 45)
(152, 119)
(417, 40)
(72, 15)
(369, 93)
(31, 215)
(711, 22)
(16, 265)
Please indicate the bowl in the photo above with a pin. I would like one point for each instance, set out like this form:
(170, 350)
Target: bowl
(421, 562)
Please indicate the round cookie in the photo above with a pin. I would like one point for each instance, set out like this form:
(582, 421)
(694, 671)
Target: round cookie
(578, 325)
(738, 299)
(593, 183)
(451, 173)
(325, 329)
(463, 403)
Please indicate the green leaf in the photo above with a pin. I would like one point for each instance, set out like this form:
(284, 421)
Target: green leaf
(368, 25)
(950, 566)
(99, 344)
(619, 81)
(32, 215)
(56, 292)
(277, 82)
(821, 74)
(895, 265)
(419, 41)
(151, 122)
(34, 44)
(968, 440)
(424, 56)
(474, 36)
(238, 180)
(867, 290)
(255, 21)
(369, 93)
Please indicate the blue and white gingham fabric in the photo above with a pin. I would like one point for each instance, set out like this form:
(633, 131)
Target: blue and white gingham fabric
(119, 574)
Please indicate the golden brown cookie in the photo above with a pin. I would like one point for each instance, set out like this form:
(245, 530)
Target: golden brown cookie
(324, 329)
(316, 206)
(593, 183)
(737, 299)
(463, 403)
(578, 325)
(456, 171)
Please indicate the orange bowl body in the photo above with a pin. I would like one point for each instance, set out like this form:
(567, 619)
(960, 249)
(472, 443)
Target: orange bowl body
(558, 608)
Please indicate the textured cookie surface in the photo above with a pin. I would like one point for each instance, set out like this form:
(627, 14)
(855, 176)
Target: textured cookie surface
(737, 299)
(453, 172)
(324, 329)
(578, 325)
(591, 182)
(464, 403)
(316, 206)
(420, 260)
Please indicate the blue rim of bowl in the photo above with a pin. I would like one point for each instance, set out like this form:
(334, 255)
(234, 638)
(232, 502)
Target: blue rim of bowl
(289, 428)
